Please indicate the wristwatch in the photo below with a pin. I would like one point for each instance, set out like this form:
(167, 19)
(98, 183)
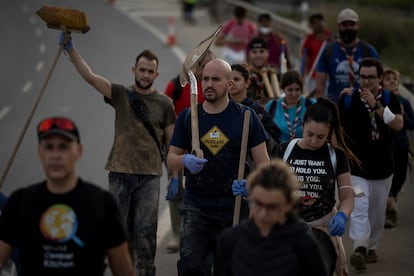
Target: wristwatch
(377, 105)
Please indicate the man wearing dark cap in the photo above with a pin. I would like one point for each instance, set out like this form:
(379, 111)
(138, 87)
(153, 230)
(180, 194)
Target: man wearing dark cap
(258, 56)
(63, 225)
(340, 60)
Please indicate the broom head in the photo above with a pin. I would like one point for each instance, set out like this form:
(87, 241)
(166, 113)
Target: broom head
(64, 19)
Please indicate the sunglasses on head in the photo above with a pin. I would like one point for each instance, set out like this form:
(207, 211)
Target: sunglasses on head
(56, 123)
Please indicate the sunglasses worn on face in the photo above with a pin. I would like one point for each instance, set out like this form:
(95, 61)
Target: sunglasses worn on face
(56, 123)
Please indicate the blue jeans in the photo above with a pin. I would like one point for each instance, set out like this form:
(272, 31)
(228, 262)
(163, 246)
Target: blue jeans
(199, 231)
(137, 197)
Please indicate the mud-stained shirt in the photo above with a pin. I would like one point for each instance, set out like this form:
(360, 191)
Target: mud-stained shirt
(134, 150)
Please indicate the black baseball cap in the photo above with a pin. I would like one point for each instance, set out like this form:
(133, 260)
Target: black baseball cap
(58, 125)
(257, 43)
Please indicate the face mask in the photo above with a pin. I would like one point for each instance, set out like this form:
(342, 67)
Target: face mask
(348, 36)
(265, 30)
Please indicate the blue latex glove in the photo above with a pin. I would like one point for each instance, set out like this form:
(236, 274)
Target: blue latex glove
(68, 45)
(337, 224)
(239, 188)
(193, 163)
(172, 192)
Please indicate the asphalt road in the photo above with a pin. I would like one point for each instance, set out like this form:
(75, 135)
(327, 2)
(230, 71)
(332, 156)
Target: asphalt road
(118, 33)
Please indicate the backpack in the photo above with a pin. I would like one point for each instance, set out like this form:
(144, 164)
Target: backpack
(178, 89)
(292, 143)
(348, 98)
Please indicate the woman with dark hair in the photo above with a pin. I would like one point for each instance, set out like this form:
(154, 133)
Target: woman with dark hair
(320, 160)
(288, 110)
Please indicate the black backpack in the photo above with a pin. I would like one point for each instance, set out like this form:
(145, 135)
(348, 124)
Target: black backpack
(178, 89)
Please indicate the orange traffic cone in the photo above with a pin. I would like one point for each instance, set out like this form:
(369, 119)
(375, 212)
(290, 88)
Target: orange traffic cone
(171, 39)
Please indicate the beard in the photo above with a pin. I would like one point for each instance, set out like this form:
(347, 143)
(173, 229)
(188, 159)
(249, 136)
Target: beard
(211, 96)
(139, 85)
(348, 36)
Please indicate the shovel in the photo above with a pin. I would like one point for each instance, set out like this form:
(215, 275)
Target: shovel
(190, 65)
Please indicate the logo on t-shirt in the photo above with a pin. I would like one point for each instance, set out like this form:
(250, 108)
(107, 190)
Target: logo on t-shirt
(214, 140)
(59, 223)
(342, 72)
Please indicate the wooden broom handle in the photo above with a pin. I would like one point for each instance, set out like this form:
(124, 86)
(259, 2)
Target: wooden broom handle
(29, 119)
(242, 164)
(275, 82)
(195, 137)
(268, 87)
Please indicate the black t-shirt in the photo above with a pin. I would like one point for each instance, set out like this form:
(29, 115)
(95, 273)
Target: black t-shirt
(64, 234)
(220, 140)
(316, 175)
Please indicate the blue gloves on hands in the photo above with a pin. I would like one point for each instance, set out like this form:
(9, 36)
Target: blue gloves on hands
(68, 45)
(193, 163)
(239, 188)
(337, 224)
(173, 190)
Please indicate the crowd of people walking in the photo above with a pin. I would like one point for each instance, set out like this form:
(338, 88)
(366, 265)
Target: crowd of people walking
(316, 164)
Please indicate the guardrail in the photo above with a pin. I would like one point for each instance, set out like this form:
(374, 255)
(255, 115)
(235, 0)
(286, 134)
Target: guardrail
(294, 33)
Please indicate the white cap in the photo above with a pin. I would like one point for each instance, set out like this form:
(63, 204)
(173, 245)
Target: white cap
(347, 15)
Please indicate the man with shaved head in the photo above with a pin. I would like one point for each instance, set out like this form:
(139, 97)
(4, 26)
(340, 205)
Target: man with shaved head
(209, 198)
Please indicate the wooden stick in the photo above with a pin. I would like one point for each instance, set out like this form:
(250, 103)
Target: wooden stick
(29, 119)
(195, 137)
(275, 82)
(242, 164)
(268, 87)
(315, 62)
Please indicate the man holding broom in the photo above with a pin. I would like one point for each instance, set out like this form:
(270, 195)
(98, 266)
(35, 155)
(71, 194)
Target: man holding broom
(208, 202)
(143, 125)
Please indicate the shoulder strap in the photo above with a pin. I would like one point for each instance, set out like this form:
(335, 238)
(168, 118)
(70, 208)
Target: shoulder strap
(142, 113)
(365, 49)
(272, 108)
(347, 101)
(289, 148)
(178, 89)
(386, 95)
(186, 118)
(329, 50)
(308, 102)
(332, 155)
